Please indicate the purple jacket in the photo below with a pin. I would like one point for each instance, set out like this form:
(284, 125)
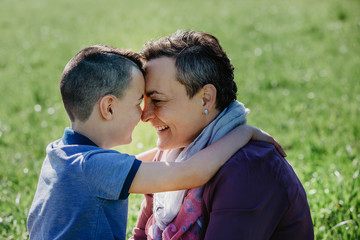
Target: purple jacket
(255, 195)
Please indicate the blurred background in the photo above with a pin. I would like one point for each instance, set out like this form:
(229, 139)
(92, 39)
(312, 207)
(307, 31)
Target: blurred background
(297, 67)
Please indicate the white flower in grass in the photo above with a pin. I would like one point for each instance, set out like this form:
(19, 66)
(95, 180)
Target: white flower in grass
(37, 108)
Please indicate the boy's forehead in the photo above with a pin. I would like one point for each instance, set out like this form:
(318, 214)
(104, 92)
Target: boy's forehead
(138, 80)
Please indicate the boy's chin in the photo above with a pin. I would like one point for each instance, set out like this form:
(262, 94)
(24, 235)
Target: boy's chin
(124, 142)
(128, 141)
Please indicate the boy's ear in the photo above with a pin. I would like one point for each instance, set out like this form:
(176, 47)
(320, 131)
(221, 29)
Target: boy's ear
(106, 106)
(208, 93)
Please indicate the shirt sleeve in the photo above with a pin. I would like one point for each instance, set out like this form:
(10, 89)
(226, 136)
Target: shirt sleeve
(235, 208)
(109, 173)
(130, 177)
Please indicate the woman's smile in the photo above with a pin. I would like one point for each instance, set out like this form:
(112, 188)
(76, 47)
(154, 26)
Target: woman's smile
(162, 128)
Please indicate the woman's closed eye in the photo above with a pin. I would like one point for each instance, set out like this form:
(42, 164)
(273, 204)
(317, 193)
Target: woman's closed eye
(156, 100)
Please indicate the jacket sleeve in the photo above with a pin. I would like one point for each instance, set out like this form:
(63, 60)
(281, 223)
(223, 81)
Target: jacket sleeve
(144, 214)
(249, 199)
(233, 210)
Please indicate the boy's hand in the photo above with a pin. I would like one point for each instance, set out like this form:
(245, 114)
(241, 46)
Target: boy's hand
(260, 135)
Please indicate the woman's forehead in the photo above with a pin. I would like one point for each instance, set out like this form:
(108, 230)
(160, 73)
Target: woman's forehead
(160, 77)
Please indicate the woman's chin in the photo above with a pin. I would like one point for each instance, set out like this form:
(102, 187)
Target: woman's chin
(165, 144)
(161, 146)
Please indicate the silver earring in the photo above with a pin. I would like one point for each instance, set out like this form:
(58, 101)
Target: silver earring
(206, 111)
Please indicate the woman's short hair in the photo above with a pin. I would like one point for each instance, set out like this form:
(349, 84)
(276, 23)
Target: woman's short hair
(199, 60)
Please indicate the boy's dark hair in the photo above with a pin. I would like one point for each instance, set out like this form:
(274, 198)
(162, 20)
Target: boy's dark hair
(95, 72)
(199, 60)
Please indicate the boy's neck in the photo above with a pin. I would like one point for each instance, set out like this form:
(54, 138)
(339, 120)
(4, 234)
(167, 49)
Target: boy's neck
(90, 130)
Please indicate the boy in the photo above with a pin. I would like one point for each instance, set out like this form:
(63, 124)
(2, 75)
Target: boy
(83, 185)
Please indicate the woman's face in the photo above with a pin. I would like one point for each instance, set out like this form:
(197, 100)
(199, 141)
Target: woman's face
(178, 120)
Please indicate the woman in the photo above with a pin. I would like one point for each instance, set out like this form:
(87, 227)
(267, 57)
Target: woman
(190, 100)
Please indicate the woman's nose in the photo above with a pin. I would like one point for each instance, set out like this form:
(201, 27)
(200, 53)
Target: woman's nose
(147, 113)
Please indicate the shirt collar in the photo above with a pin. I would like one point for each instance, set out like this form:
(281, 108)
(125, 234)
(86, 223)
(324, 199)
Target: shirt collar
(71, 137)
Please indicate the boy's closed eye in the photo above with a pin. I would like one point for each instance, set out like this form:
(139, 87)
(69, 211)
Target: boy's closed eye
(140, 101)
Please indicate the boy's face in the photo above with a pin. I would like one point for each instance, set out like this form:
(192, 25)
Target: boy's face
(128, 109)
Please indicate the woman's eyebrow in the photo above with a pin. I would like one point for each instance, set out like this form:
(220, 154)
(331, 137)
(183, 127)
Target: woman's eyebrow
(150, 93)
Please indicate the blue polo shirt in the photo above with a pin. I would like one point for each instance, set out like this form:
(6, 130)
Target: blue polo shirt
(82, 191)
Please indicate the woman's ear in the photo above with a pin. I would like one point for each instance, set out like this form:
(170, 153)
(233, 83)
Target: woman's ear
(106, 106)
(209, 96)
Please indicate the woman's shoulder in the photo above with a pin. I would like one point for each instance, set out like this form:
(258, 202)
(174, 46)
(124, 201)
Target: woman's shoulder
(255, 152)
(256, 160)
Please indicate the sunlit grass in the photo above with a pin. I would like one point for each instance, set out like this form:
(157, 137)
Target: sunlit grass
(296, 65)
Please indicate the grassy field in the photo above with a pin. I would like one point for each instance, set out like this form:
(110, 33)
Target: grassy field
(297, 68)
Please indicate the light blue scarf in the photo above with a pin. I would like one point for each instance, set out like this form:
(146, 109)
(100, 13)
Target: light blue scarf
(167, 204)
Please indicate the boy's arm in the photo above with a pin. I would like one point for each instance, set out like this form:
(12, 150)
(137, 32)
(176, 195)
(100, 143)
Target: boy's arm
(260, 135)
(147, 156)
(153, 177)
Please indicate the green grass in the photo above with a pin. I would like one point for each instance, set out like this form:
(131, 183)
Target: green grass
(297, 68)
